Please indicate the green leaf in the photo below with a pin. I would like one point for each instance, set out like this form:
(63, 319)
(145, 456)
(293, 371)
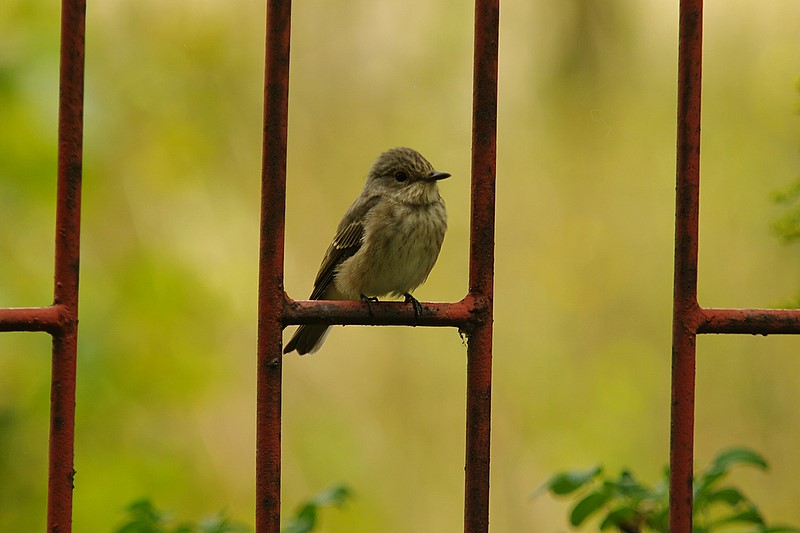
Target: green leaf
(297, 525)
(661, 488)
(620, 516)
(628, 487)
(780, 529)
(728, 495)
(788, 226)
(720, 466)
(566, 482)
(306, 518)
(659, 521)
(750, 516)
(304, 521)
(336, 495)
(143, 518)
(219, 523)
(144, 510)
(139, 527)
(587, 506)
(788, 195)
(732, 456)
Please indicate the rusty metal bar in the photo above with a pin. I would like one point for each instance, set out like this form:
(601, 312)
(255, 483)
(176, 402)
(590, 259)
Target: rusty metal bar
(473, 314)
(752, 321)
(61, 318)
(47, 319)
(383, 313)
(685, 307)
(270, 280)
(67, 265)
(481, 270)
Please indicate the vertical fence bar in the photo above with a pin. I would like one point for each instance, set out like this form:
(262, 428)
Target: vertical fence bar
(67, 262)
(270, 281)
(481, 274)
(685, 306)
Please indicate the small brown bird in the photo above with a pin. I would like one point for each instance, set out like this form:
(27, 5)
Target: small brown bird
(386, 243)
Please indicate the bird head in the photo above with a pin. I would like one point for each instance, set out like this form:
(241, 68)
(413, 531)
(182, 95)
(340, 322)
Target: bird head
(405, 172)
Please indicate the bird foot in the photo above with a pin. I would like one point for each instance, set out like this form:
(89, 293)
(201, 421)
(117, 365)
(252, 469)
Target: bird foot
(369, 300)
(415, 303)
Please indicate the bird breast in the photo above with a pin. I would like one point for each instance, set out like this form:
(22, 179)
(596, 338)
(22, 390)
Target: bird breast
(401, 244)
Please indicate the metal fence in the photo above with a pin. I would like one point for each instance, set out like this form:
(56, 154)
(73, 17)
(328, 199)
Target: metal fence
(61, 319)
(688, 318)
(472, 315)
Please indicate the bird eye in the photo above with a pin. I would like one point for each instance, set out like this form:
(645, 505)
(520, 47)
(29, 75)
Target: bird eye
(400, 176)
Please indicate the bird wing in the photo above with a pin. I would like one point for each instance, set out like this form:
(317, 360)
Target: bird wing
(346, 242)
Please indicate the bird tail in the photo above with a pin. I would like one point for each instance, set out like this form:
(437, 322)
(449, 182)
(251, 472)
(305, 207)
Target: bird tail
(307, 339)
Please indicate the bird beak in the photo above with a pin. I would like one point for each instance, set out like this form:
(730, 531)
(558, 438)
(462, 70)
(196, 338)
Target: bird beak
(436, 176)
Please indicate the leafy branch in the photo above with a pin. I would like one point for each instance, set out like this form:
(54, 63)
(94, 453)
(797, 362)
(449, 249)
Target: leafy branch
(145, 517)
(634, 507)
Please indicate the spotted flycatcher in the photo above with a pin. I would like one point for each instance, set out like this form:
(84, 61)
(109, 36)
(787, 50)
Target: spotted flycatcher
(386, 243)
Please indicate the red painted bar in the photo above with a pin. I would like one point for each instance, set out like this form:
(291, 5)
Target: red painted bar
(270, 280)
(47, 319)
(383, 313)
(481, 271)
(750, 321)
(685, 308)
(67, 266)
(473, 314)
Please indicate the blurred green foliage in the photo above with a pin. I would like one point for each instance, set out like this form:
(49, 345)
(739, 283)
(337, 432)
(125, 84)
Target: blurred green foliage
(585, 197)
(787, 225)
(144, 517)
(630, 506)
(306, 518)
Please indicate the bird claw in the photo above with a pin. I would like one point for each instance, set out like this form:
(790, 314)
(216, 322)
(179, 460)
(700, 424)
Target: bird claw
(369, 300)
(414, 302)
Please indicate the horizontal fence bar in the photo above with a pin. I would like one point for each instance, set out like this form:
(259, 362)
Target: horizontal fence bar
(749, 321)
(49, 319)
(460, 314)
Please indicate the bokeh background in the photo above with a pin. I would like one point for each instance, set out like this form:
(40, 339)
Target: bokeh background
(585, 197)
